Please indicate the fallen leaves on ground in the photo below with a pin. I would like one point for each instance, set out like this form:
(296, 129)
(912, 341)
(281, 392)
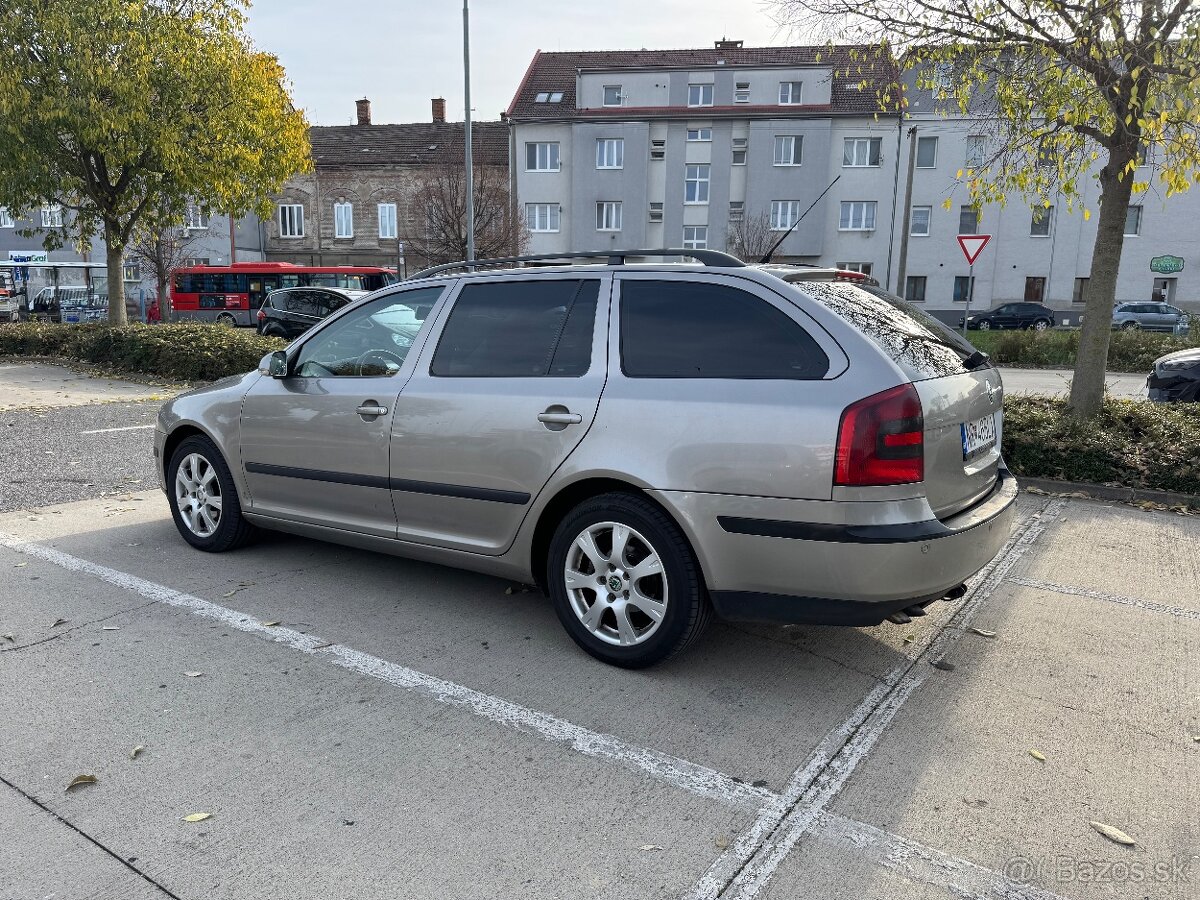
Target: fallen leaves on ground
(648, 847)
(58, 622)
(193, 674)
(135, 751)
(982, 633)
(722, 842)
(8, 636)
(80, 780)
(111, 628)
(1038, 755)
(20, 565)
(197, 817)
(270, 624)
(1114, 834)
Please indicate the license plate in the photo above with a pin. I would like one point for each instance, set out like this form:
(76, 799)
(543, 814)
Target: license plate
(978, 436)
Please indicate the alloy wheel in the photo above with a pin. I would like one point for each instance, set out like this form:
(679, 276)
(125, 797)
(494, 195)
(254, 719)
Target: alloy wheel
(198, 495)
(615, 583)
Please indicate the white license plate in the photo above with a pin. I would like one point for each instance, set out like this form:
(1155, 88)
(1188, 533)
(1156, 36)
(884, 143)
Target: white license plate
(978, 436)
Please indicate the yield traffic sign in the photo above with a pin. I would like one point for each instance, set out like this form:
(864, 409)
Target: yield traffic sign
(972, 245)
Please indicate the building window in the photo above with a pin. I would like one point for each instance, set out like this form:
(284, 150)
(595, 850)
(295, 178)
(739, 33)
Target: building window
(926, 152)
(914, 288)
(610, 153)
(1035, 289)
(542, 216)
(608, 215)
(919, 223)
(741, 92)
(658, 149)
(864, 267)
(695, 237)
(343, 220)
(131, 272)
(737, 210)
(541, 157)
(963, 285)
(387, 220)
(788, 149)
(1143, 155)
(191, 261)
(194, 218)
(943, 77)
(861, 152)
(1133, 221)
(1039, 224)
(699, 134)
(613, 95)
(291, 220)
(549, 97)
(700, 95)
(52, 216)
(976, 150)
(784, 214)
(857, 215)
(656, 212)
(6, 219)
(790, 92)
(968, 220)
(695, 188)
(1079, 293)
(739, 151)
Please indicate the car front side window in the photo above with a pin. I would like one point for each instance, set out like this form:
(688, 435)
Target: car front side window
(371, 341)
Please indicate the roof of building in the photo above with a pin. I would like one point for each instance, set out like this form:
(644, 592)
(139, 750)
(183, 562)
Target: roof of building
(553, 72)
(415, 144)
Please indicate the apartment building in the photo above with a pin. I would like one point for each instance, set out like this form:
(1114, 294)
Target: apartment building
(693, 148)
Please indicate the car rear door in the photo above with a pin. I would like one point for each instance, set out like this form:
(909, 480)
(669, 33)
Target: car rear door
(506, 389)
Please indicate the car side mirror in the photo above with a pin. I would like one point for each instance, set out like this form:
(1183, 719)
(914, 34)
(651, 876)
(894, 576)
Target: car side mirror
(277, 364)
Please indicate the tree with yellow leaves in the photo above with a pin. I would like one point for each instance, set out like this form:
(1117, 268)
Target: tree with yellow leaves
(1078, 89)
(119, 109)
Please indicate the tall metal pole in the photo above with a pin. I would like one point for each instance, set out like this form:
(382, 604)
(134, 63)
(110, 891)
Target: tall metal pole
(906, 218)
(467, 128)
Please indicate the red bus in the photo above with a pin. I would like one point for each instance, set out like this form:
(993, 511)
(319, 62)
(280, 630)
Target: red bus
(231, 295)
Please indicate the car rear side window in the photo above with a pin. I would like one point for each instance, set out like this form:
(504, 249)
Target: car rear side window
(692, 329)
(519, 329)
(917, 342)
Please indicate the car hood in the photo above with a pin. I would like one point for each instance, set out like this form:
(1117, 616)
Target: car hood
(1192, 353)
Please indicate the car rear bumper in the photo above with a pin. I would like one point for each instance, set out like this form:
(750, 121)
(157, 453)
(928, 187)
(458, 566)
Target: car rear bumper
(773, 569)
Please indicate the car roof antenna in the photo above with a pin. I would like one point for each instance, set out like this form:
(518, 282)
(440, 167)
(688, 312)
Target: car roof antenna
(783, 237)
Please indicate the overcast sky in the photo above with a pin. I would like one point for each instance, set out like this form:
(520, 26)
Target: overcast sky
(401, 53)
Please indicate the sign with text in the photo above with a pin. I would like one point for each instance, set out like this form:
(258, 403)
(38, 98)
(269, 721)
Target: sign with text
(1166, 265)
(972, 245)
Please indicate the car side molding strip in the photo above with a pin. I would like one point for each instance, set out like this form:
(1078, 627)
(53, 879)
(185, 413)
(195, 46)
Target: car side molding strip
(396, 484)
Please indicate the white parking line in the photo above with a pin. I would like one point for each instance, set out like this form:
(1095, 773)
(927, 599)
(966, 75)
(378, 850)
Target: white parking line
(1148, 605)
(111, 430)
(681, 773)
(753, 859)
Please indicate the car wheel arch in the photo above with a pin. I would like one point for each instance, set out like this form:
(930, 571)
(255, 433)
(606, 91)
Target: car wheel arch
(570, 496)
(177, 436)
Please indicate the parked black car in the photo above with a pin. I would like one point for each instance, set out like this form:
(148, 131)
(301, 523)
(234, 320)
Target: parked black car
(1176, 377)
(290, 312)
(1012, 315)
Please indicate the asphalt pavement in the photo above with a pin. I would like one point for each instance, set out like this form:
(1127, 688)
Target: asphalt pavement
(345, 724)
(1057, 382)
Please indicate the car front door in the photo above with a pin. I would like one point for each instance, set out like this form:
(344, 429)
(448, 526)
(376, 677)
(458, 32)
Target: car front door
(315, 443)
(1005, 316)
(506, 389)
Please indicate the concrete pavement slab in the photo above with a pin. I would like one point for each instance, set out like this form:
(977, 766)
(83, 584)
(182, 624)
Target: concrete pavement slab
(40, 385)
(1057, 382)
(321, 782)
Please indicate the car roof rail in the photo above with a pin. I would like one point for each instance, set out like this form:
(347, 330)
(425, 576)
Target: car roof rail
(614, 257)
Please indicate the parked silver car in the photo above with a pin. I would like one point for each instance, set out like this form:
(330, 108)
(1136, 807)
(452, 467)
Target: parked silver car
(650, 443)
(1149, 317)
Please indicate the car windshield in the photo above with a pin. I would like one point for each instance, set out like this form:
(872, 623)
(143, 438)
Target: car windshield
(918, 343)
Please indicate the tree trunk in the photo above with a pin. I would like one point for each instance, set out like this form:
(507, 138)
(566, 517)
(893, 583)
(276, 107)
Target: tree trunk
(115, 250)
(161, 275)
(1087, 387)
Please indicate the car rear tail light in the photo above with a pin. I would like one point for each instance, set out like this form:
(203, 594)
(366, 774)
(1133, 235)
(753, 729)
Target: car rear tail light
(881, 440)
(847, 275)
(262, 316)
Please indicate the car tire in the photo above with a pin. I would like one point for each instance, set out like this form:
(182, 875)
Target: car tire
(1040, 325)
(195, 468)
(611, 611)
(274, 331)
(227, 319)
(1130, 326)
(985, 325)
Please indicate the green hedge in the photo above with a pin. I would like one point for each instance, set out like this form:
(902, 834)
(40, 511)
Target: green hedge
(1129, 351)
(189, 352)
(1132, 443)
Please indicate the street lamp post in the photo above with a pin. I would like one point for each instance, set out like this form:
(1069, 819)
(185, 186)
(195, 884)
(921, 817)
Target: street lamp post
(467, 128)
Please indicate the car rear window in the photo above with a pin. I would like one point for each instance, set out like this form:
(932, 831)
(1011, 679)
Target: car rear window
(918, 343)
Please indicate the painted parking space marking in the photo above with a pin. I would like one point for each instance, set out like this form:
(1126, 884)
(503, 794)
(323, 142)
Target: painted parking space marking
(124, 428)
(1072, 591)
(681, 773)
(746, 867)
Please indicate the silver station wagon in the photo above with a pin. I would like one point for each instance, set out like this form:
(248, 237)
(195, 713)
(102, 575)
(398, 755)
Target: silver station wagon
(649, 442)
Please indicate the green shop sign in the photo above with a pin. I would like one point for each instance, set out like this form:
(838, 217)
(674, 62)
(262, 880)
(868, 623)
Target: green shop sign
(1166, 265)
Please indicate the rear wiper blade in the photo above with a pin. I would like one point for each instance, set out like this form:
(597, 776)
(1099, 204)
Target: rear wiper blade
(976, 360)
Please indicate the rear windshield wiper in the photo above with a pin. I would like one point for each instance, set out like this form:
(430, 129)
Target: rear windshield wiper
(976, 360)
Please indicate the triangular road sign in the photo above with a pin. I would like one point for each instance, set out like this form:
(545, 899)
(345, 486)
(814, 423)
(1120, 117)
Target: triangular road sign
(972, 245)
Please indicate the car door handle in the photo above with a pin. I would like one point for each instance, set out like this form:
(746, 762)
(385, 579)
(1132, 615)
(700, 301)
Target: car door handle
(370, 409)
(560, 418)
